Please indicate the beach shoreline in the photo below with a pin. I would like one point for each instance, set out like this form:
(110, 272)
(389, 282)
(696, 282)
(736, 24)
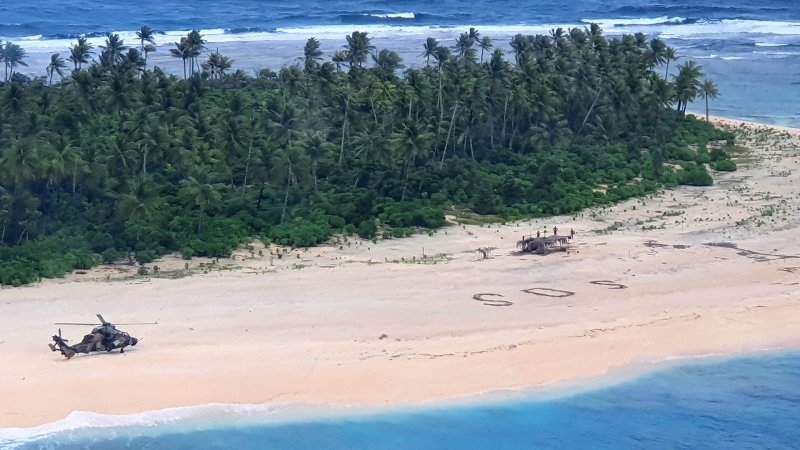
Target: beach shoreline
(688, 272)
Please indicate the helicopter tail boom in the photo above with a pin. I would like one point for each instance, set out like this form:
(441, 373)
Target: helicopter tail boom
(62, 346)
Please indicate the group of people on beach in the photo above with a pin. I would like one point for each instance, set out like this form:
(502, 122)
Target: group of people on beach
(555, 232)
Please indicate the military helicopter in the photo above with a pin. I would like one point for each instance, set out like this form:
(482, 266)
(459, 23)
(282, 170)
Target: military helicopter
(106, 337)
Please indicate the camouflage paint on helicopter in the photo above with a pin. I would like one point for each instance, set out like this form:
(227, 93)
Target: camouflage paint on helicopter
(106, 337)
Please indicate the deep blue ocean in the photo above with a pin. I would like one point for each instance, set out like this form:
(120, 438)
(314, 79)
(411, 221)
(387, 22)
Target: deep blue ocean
(750, 402)
(751, 48)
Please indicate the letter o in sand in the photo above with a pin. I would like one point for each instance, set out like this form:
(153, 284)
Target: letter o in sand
(547, 292)
(490, 302)
(610, 284)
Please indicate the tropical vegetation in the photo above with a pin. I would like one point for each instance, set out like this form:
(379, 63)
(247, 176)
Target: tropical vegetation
(116, 160)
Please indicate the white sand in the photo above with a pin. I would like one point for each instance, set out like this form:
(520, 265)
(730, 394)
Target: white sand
(309, 329)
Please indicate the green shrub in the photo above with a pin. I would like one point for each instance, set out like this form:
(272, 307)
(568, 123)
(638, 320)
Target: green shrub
(367, 229)
(695, 175)
(725, 165)
(146, 256)
(110, 255)
(187, 252)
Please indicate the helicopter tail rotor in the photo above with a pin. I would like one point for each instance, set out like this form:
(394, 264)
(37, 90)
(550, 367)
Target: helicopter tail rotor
(61, 345)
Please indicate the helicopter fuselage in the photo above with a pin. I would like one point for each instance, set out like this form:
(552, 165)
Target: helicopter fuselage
(102, 339)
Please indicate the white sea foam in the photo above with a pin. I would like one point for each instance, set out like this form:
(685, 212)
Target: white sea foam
(404, 15)
(665, 27)
(612, 22)
(725, 28)
(770, 44)
(191, 417)
(777, 53)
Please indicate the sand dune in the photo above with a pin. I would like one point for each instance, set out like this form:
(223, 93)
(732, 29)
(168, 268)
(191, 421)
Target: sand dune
(691, 271)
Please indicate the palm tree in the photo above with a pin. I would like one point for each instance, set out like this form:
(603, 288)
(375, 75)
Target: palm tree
(198, 191)
(113, 51)
(145, 34)
(669, 55)
(339, 58)
(357, 49)
(311, 54)
(57, 65)
(485, 45)
(442, 56)
(316, 149)
(463, 43)
(79, 53)
(387, 62)
(12, 56)
(687, 84)
(708, 89)
(431, 44)
(217, 64)
(656, 53)
(519, 47)
(411, 141)
(182, 51)
(474, 35)
(195, 45)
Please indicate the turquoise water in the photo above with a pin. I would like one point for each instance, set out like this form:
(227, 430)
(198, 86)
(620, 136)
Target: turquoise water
(750, 402)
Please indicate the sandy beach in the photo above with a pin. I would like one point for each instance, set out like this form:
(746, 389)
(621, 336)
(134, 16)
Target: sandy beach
(690, 271)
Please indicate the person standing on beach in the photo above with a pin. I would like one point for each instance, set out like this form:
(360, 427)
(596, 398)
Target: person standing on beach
(555, 231)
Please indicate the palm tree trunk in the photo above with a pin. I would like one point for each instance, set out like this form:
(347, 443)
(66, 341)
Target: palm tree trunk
(505, 112)
(441, 101)
(144, 162)
(374, 113)
(449, 130)
(247, 168)
(405, 181)
(260, 196)
(344, 128)
(706, 107)
(286, 199)
(314, 174)
(471, 148)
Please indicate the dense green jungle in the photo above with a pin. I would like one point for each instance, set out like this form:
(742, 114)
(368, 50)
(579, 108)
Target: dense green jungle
(105, 158)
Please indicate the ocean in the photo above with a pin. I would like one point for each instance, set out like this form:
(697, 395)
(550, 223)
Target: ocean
(751, 48)
(748, 402)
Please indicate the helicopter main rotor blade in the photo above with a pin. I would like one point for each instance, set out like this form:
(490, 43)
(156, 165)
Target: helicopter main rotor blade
(73, 323)
(137, 323)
